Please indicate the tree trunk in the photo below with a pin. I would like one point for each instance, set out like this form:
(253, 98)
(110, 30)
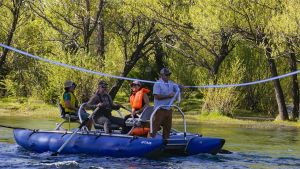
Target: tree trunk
(100, 40)
(159, 56)
(295, 87)
(136, 55)
(128, 66)
(283, 115)
(224, 51)
(16, 14)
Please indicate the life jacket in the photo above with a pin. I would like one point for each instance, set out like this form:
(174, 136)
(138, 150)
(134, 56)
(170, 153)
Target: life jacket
(136, 99)
(140, 131)
(73, 102)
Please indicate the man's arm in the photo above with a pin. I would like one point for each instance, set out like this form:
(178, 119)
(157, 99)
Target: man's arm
(69, 106)
(162, 97)
(114, 106)
(93, 103)
(146, 104)
(157, 91)
(158, 96)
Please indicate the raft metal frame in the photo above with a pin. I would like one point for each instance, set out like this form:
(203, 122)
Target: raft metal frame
(178, 108)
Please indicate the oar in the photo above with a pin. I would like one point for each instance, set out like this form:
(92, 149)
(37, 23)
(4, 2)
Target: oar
(125, 108)
(73, 134)
(11, 127)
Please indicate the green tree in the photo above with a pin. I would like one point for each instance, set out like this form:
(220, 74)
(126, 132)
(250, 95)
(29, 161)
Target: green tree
(252, 18)
(75, 21)
(11, 12)
(284, 29)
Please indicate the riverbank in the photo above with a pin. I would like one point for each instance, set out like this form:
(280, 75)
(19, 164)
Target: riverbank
(12, 107)
(28, 108)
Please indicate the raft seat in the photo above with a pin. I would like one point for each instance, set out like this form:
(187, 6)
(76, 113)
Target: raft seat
(68, 118)
(143, 119)
(140, 126)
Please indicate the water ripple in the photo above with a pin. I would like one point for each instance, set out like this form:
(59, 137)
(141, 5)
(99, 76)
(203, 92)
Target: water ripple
(62, 165)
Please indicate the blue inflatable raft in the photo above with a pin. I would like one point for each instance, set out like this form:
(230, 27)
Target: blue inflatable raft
(116, 145)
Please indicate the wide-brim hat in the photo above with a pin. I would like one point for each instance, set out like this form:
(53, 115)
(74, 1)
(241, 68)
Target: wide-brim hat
(69, 83)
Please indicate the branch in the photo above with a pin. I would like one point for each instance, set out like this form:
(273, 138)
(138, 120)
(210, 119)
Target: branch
(180, 51)
(67, 20)
(40, 13)
(98, 14)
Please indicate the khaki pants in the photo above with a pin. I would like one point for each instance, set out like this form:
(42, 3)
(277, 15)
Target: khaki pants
(162, 117)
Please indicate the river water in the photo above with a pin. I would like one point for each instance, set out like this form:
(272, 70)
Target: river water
(252, 148)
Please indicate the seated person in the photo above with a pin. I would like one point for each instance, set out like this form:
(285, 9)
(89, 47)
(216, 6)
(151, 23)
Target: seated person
(139, 100)
(103, 101)
(69, 101)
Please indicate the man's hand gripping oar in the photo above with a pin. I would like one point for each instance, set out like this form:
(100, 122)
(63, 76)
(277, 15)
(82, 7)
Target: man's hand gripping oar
(73, 134)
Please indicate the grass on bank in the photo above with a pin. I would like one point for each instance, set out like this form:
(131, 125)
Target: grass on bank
(27, 107)
(38, 109)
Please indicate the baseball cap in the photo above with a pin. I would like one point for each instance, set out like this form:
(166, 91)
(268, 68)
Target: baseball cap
(165, 71)
(102, 83)
(136, 82)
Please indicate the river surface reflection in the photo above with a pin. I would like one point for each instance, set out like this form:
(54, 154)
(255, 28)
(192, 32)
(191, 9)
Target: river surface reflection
(252, 148)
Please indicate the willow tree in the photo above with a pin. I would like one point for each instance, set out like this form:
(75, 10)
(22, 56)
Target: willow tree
(196, 30)
(136, 36)
(75, 21)
(284, 29)
(251, 20)
(11, 12)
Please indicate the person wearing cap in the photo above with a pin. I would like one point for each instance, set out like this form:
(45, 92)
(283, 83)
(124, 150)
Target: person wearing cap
(69, 101)
(139, 100)
(103, 101)
(163, 90)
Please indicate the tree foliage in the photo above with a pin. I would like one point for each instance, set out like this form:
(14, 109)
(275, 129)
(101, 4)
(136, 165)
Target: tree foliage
(202, 42)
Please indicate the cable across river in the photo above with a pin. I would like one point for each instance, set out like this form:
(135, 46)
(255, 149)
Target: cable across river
(141, 80)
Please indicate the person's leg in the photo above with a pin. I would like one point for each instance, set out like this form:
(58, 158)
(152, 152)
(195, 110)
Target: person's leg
(126, 128)
(167, 124)
(89, 124)
(127, 117)
(105, 122)
(117, 120)
(120, 122)
(84, 116)
(157, 120)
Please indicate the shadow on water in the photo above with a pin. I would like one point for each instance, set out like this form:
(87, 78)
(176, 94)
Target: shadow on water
(253, 148)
